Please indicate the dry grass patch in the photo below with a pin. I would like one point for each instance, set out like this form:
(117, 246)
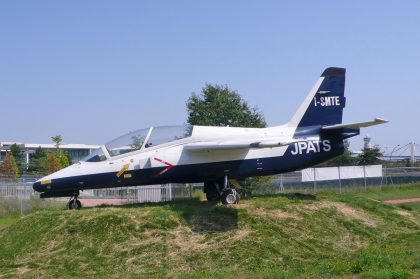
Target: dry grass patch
(346, 211)
(20, 271)
(184, 243)
(349, 242)
(408, 215)
(138, 218)
(186, 240)
(277, 214)
(404, 213)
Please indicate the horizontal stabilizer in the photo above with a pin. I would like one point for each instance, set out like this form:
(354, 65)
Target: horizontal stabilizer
(358, 125)
(244, 144)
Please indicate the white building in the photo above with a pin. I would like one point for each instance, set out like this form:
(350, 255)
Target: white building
(76, 151)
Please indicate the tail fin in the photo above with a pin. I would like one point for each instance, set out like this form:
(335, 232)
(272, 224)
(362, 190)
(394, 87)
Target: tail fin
(325, 102)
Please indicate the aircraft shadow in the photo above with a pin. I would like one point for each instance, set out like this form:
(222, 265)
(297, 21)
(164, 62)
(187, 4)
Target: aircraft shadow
(200, 216)
(207, 217)
(293, 196)
(298, 196)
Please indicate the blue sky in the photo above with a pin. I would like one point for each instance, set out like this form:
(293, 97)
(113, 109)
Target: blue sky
(92, 70)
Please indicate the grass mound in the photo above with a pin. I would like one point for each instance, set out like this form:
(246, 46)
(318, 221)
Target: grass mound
(286, 236)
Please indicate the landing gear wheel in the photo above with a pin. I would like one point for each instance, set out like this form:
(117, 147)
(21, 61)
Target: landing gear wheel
(74, 204)
(230, 196)
(212, 191)
(213, 196)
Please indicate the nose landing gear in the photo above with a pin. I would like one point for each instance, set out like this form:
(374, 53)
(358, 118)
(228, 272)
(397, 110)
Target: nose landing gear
(74, 203)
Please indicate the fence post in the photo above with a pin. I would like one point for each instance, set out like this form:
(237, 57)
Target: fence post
(339, 178)
(314, 180)
(364, 174)
(281, 183)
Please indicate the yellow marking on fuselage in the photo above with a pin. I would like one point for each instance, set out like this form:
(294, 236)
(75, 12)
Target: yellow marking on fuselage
(43, 182)
(127, 175)
(122, 170)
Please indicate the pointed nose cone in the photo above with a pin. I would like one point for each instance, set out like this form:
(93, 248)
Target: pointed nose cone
(54, 181)
(43, 184)
(37, 186)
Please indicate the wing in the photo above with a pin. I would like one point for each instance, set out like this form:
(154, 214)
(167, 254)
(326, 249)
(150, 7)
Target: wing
(244, 144)
(358, 125)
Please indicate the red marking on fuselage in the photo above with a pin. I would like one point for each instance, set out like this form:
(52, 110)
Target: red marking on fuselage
(169, 166)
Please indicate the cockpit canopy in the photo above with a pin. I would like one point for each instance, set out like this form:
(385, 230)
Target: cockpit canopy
(140, 139)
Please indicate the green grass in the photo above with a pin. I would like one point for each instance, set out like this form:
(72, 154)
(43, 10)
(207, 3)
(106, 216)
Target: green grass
(413, 206)
(283, 236)
(6, 221)
(10, 207)
(394, 192)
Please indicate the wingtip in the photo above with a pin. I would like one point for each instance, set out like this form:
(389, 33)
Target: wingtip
(380, 120)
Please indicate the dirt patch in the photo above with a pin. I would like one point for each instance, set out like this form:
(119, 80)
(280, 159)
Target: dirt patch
(345, 210)
(186, 240)
(404, 213)
(20, 271)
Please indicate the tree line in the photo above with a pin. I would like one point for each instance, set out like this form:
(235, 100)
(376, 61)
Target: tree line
(42, 162)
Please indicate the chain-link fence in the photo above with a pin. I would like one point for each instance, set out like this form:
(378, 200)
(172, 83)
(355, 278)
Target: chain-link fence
(294, 182)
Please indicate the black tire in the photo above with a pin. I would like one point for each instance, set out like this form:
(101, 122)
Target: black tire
(74, 204)
(230, 196)
(213, 196)
(212, 191)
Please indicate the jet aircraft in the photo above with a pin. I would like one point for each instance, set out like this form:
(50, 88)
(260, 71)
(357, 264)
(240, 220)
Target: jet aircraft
(217, 156)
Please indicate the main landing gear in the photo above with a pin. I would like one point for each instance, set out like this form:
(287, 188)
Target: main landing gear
(74, 203)
(221, 191)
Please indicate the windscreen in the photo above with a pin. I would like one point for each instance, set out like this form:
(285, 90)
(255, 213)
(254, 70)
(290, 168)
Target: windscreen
(166, 134)
(127, 143)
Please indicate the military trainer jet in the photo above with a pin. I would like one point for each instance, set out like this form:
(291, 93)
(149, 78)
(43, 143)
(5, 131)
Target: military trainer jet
(215, 155)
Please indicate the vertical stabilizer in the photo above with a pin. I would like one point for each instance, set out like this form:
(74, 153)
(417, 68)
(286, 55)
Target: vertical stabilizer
(325, 102)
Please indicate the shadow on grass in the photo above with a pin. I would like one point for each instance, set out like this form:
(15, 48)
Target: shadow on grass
(292, 196)
(200, 216)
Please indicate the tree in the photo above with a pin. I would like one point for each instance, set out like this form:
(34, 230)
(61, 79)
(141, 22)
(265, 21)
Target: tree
(64, 160)
(52, 163)
(370, 156)
(218, 105)
(17, 153)
(69, 160)
(57, 140)
(345, 159)
(9, 169)
(57, 159)
(37, 161)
